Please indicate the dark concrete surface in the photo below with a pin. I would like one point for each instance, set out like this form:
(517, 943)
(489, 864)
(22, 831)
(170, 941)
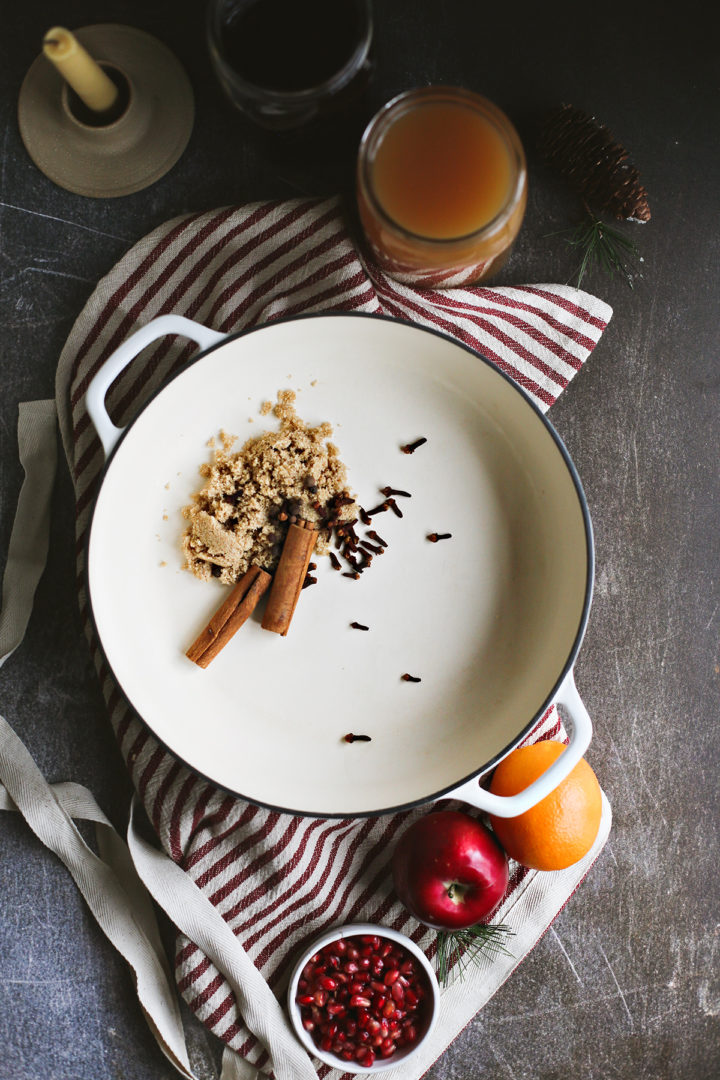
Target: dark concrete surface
(625, 984)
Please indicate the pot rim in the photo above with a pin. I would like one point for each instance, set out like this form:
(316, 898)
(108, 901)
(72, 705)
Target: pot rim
(567, 667)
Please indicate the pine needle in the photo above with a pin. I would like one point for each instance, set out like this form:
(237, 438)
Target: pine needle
(602, 246)
(459, 949)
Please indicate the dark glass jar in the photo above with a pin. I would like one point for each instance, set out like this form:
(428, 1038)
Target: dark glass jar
(286, 63)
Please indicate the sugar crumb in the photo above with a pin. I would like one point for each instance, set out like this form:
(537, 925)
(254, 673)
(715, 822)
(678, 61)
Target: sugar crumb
(233, 521)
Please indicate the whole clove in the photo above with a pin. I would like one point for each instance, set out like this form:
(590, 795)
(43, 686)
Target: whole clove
(334, 561)
(351, 737)
(378, 539)
(309, 580)
(410, 448)
(379, 509)
(434, 537)
(395, 508)
(410, 678)
(388, 491)
(364, 516)
(359, 626)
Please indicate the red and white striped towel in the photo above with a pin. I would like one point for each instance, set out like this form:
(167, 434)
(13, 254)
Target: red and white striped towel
(275, 878)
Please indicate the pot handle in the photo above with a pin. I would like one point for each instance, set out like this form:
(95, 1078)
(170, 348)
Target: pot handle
(119, 360)
(506, 806)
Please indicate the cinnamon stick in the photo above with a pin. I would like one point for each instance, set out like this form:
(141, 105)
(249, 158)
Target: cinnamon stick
(229, 617)
(289, 577)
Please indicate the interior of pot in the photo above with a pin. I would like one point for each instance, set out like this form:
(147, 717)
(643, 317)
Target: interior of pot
(488, 620)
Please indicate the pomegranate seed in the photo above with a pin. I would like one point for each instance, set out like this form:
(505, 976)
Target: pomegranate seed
(350, 967)
(347, 1055)
(398, 992)
(409, 1033)
(391, 976)
(305, 999)
(364, 962)
(411, 998)
(359, 1002)
(320, 998)
(388, 1048)
(308, 1024)
(327, 982)
(336, 1009)
(389, 1009)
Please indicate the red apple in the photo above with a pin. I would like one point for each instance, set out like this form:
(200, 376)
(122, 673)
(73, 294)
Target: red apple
(449, 870)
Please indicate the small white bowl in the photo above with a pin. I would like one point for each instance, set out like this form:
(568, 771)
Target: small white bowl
(355, 930)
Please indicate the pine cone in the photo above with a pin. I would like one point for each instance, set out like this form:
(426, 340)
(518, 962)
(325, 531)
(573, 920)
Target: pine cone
(585, 152)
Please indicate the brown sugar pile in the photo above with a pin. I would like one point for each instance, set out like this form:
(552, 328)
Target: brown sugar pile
(234, 521)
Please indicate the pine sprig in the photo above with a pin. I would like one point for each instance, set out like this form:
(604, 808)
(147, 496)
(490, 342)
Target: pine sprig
(603, 247)
(458, 949)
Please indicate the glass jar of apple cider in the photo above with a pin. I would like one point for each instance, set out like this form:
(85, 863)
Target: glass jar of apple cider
(441, 187)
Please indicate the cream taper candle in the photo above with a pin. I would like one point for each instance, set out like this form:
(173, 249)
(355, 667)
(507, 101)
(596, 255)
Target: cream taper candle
(78, 68)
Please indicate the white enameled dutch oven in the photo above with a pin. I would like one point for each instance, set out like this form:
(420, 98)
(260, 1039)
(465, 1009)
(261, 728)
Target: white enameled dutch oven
(490, 620)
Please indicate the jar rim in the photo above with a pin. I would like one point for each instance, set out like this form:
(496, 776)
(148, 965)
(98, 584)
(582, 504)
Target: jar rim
(430, 95)
(294, 97)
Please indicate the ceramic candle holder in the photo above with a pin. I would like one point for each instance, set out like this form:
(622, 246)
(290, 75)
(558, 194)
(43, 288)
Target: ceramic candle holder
(130, 147)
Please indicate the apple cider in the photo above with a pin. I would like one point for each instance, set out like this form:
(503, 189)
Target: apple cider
(441, 186)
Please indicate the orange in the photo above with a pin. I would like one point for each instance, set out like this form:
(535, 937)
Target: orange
(562, 827)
